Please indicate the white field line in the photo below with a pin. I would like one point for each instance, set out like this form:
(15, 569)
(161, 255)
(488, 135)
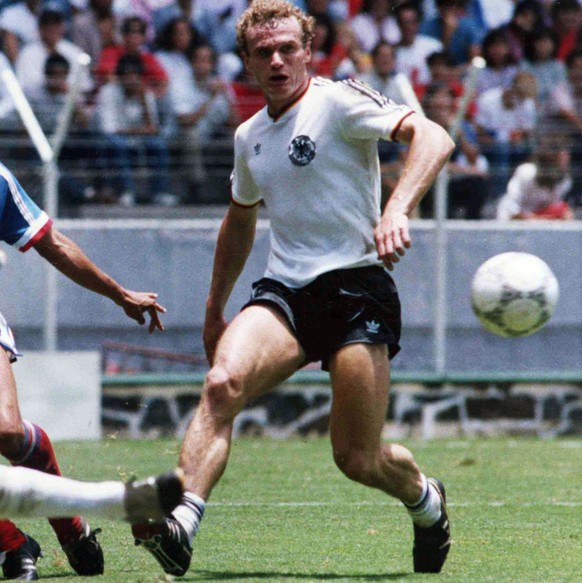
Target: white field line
(492, 504)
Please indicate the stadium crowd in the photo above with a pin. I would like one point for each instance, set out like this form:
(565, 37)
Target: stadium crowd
(166, 89)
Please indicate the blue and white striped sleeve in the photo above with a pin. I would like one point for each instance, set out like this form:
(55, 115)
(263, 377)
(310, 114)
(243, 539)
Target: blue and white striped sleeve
(22, 222)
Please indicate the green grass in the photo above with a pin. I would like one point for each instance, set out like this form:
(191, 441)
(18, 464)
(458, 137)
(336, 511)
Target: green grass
(283, 513)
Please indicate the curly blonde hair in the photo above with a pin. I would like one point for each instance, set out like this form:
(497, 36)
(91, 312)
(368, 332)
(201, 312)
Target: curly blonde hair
(261, 12)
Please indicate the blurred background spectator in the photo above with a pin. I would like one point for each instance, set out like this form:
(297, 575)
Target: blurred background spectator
(538, 189)
(96, 28)
(81, 156)
(414, 48)
(374, 23)
(32, 56)
(500, 66)
(133, 31)
(459, 34)
(130, 118)
(19, 26)
(468, 187)
(505, 121)
(203, 108)
(540, 60)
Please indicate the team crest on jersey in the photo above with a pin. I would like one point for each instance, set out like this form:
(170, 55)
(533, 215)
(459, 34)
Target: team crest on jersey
(302, 150)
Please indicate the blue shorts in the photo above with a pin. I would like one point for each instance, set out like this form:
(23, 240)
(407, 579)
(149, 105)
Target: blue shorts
(7, 339)
(344, 306)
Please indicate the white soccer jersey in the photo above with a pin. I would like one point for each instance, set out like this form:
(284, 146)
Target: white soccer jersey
(316, 168)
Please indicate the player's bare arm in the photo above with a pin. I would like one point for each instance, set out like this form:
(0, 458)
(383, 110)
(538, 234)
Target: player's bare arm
(235, 241)
(70, 260)
(430, 148)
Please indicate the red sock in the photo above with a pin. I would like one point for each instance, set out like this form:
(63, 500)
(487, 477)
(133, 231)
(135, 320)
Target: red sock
(39, 455)
(10, 537)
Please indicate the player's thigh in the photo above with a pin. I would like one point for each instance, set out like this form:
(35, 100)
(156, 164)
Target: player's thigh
(360, 378)
(10, 419)
(258, 350)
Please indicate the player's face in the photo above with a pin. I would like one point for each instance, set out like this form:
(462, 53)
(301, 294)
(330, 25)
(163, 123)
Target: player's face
(278, 60)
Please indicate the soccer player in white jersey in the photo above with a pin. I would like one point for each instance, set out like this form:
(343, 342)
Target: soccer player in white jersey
(24, 225)
(311, 156)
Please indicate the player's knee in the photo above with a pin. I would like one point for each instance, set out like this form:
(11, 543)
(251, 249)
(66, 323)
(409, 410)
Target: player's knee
(357, 465)
(223, 391)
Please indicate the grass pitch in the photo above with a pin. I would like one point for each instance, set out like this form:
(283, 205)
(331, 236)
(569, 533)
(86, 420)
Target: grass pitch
(283, 513)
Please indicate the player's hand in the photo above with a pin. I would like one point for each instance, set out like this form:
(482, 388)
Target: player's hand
(214, 327)
(136, 304)
(392, 238)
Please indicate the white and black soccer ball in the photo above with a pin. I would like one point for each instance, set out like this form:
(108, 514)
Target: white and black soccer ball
(514, 294)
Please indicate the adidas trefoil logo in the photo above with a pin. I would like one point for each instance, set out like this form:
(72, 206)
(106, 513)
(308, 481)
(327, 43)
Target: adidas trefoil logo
(372, 327)
(257, 149)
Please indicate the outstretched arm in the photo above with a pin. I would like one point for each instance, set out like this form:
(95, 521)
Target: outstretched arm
(430, 148)
(70, 260)
(234, 244)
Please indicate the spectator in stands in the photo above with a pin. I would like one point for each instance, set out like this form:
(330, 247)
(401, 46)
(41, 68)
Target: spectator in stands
(488, 14)
(505, 121)
(216, 20)
(96, 28)
(414, 48)
(133, 30)
(540, 60)
(538, 189)
(337, 10)
(326, 52)
(375, 23)
(468, 168)
(442, 71)
(500, 67)
(458, 33)
(527, 18)
(19, 26)
(156, 14)
(31, 58)
(204, 113)
(382, 77)
(81, 150)
(566, 18)
(564, 116)
(357, 61)
(174, 44)
(131, 120)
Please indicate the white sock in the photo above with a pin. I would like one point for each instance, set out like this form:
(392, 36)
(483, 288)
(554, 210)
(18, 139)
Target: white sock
(26, 493)
(189, 513)
(427, 510)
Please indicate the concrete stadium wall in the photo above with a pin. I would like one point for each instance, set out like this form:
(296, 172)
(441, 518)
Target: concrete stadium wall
(175, 258)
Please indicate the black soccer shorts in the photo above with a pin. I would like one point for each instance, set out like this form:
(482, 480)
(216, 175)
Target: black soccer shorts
(344, 306)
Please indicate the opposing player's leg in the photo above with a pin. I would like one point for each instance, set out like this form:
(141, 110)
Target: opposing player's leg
(26, 444)
(256, 352)
(360, 375)
(26, 493)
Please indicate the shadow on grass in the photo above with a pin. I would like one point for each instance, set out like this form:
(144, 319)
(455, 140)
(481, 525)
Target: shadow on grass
(278, 576)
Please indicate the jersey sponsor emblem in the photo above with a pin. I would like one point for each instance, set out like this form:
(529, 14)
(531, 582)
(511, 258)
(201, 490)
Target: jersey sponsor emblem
(302, 150)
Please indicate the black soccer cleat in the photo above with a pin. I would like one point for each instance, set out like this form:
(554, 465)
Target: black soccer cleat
(21, 562)
(168, 542)
(153, 498)
(432, 544)
(85, 554)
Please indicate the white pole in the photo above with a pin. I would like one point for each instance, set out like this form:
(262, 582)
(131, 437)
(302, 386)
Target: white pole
(27, 115)
(441, 235)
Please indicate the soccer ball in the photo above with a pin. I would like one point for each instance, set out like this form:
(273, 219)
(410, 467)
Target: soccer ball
(514, 294)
